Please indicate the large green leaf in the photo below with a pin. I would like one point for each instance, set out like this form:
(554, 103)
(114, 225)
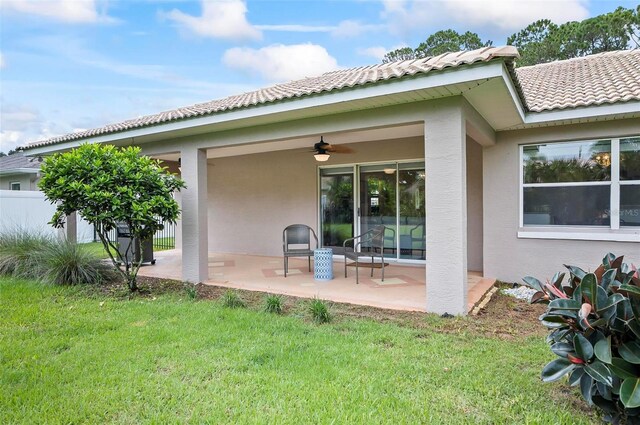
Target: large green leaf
(630, 290)
(562, 349)
(556, 370)
(586, 387)
(602, 350)
(601, 298)
(532, 282)
(634, 326)
(589, 286)
(564, 304)
(630, 393)
(583, 347)
(600, 372)
(607, 278)
(611, 301)
(575, 376)
(576, 271)
(630, 351)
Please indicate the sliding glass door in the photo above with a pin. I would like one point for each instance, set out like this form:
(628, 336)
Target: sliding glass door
(391, 194)
(378, 202)
(336, 206)
(411, 211)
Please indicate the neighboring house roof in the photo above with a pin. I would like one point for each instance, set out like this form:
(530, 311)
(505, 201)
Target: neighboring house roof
(18, 163)
(604, 78)
(608, 77)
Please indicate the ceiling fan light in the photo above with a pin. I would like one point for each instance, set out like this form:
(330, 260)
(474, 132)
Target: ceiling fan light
(321, 157)
(389, 170)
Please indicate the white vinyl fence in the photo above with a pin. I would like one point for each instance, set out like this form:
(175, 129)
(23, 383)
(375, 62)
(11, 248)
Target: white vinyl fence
(30, 211)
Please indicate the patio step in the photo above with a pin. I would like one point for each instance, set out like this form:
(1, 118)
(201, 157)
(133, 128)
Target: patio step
(484, 300)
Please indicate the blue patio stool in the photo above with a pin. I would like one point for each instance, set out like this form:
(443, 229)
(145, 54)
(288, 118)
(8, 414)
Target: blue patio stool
(323, 264)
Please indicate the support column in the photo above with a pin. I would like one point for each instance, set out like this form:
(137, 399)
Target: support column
(446, 203)
(195, 265)
(70, 229)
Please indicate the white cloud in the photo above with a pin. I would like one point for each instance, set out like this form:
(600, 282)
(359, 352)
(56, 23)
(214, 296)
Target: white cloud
(70, 11)
(296, 28)
(506, 15)
(350, 28)
(224, 19)
(376, 52)
(18, 124)
(281, 62)
(2, 61)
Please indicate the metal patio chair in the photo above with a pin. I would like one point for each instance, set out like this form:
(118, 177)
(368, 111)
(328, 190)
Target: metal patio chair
(373, 240)
(296, 242)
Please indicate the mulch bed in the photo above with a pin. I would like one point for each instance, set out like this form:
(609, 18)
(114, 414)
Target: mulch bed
(504, 317)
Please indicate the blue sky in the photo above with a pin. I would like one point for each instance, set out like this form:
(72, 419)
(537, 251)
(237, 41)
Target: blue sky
(68, 65)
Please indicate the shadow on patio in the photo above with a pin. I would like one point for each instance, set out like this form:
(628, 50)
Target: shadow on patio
(403, 288)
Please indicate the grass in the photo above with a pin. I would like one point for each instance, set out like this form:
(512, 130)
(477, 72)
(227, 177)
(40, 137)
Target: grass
(68, 355)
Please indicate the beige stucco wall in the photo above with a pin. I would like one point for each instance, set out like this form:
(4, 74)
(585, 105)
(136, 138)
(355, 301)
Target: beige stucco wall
(505, 255)
(474, 205)
(27, 181)
(252, 198)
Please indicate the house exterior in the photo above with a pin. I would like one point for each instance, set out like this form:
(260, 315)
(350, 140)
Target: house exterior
(19, 172)
(472, 163)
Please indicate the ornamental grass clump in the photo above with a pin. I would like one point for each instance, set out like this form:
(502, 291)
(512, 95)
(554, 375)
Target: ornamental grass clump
(68, 263)
(20, 252)
(273, 304)
(594, 323)
(319, 311)
(231, 299)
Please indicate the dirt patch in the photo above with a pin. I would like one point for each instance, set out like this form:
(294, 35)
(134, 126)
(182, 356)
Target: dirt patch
(504, 317)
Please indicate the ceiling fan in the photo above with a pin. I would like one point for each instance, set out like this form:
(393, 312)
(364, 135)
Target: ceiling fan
(323, 150)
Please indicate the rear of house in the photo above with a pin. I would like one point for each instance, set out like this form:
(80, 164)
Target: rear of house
(472, 164)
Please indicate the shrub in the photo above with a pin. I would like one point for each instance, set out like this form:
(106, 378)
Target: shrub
(594, 323)
(67, 263)
(319, 311)
(273, 304)
(191, 290)
(20, 252)
(231, 299)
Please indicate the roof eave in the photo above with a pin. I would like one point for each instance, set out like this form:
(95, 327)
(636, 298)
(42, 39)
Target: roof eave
(244, 116)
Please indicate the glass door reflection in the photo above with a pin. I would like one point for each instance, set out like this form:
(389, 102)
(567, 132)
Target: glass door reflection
(336, 207)
(411, 199)
(378, 202)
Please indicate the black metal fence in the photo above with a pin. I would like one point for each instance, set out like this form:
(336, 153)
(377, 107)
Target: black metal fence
(162, 239)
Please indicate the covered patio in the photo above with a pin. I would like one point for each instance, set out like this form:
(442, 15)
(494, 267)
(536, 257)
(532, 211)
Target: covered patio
(403, 287)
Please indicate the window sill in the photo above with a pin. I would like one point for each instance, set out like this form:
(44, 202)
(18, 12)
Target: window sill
(626, 235)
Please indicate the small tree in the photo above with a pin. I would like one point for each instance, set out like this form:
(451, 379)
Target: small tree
(108, 186)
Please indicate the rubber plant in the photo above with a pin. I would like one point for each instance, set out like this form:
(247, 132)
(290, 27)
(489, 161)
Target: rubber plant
(594, 323)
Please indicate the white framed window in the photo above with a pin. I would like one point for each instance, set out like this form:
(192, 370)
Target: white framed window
(14, 185)
(582, 188)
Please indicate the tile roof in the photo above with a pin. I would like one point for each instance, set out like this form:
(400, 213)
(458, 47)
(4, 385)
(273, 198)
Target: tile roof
(603, 78)
(18, 160)
(330, 81)
(592, 80)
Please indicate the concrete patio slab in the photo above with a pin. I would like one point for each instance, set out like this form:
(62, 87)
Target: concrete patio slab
(403, 287)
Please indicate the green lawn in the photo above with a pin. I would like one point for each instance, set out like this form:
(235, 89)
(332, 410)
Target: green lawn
(72, 356)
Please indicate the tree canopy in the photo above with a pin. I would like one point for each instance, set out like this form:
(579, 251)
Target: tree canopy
(541, 41)
(109, 186)
(439, 43)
